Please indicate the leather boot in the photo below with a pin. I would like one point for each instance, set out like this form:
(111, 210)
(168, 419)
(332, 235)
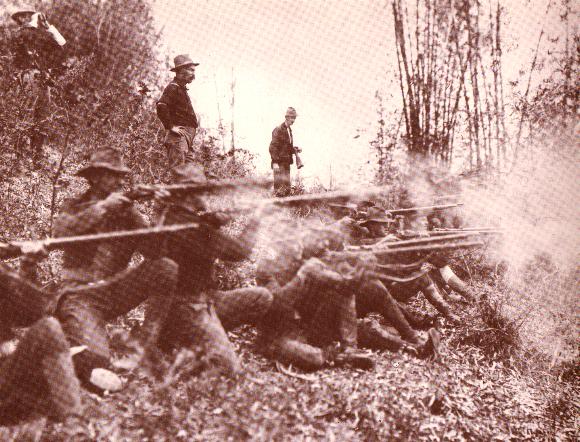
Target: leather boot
(373, 335)
(433, 295)
(456, 283)
(392, 313)
(355, 358)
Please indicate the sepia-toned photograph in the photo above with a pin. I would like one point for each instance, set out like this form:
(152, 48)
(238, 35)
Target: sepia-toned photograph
(275, 220)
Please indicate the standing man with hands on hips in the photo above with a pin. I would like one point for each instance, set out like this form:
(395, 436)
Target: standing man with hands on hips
(281, 150)
(175, 111)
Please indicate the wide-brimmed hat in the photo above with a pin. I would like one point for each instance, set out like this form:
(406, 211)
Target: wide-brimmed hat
(23, 16)
(104, 159)
(376, 215)
(189, 173)
(317, 241)
(181, 61)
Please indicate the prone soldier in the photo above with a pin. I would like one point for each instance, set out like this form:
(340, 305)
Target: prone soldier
(312, 322)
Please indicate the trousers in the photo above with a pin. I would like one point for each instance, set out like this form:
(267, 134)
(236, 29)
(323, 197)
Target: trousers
(179, 146)
(85, 310)
(282, 180)
(38, 379)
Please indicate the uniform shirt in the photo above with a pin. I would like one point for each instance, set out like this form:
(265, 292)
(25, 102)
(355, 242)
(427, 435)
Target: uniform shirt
(84, 263)
(195, 251)
(174, 107)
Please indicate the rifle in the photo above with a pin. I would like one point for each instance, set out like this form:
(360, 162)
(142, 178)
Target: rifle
(146, 191)
(425, 209)
(478, 230)
(431, 239)
(14, 249)
(407, 246)
(336, 196)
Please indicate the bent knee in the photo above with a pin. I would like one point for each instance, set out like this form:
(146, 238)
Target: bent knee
(164, 269)
(49, 333)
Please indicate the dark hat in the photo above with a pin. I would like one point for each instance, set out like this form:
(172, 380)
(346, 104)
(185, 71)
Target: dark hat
(376, 215)
(189, 173)
(317, 241)
(181, 61)
(23, 16)
(365, 204)
(109, 159)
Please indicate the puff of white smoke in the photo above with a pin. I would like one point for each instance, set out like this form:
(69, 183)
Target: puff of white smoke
(536, 205)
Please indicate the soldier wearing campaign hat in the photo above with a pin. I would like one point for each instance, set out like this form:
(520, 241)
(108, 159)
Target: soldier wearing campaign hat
(175, 111)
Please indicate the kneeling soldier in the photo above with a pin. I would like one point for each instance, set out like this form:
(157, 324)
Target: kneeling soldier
(193, 322)
(99, 285)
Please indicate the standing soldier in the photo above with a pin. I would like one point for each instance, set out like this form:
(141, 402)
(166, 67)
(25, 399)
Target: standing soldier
(98, 284)
(38, 52)
(281, 151)
(175, 111)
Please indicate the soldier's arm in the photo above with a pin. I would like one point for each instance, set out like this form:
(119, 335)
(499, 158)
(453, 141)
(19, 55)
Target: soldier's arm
(79, 218)
(164, 104)
(237, 248)
(276, 145)
(149, 246)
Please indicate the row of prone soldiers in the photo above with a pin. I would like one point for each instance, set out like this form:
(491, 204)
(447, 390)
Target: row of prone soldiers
(310, 305)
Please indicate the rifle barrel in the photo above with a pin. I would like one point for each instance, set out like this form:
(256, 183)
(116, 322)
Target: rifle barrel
(425, 209)
(430, 248)
(14, 247)
(336, 195)
(143, 191)
(410, 248)
(468, 229)
(428, 240)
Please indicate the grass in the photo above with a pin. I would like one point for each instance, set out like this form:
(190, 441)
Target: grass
(485, 386)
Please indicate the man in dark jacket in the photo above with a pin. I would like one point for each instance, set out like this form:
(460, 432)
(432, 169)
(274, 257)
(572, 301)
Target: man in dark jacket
(39, 55)
(175, 111)
(98, 284)
(281, 150)
(194, 322)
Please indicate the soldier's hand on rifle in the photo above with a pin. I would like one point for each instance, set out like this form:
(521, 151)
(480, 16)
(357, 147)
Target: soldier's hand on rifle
(34, 249)
(115, 200)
